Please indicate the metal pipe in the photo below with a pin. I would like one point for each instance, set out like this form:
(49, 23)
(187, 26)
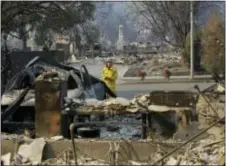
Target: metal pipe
(71, 128)
(32, 62)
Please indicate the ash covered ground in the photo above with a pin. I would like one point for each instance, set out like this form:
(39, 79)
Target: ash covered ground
(124, 131)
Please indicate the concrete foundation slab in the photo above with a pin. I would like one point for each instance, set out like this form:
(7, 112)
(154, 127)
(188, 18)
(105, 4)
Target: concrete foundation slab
(99, 149)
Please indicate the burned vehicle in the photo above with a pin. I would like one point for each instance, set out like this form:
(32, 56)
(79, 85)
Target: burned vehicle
(18, 99)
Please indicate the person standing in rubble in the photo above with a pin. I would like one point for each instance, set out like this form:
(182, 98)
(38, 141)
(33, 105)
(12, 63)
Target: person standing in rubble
(109, 75)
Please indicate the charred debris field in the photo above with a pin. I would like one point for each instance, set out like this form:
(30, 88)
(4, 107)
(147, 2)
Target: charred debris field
(160, 127)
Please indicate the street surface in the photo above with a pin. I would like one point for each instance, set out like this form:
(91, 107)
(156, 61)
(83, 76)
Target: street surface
(130, 90)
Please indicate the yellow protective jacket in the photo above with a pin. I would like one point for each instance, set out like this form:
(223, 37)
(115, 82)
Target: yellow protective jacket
(112, 74)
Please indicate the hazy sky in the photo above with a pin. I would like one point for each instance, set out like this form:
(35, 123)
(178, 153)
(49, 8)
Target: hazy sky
(117, 16)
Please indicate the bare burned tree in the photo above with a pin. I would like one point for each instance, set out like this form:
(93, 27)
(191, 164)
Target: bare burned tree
(14, 17)
(56, 16)
(170, 20)
(87, 33)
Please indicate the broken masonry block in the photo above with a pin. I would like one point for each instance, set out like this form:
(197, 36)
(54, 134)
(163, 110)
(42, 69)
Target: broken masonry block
(50, 90)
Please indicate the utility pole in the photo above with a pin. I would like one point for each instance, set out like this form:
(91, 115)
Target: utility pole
(191, 41)
(92, 51)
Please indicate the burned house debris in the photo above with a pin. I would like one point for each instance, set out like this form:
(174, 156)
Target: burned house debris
(20, 92)
(59, 107)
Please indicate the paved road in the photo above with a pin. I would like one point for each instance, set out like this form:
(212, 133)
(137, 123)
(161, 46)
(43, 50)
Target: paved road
(129, 91)
(95, 69)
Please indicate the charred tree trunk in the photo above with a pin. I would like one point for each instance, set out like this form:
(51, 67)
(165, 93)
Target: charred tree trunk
(79, 52)
(24, 43)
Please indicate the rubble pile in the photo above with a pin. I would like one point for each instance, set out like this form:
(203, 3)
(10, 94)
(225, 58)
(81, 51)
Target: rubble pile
(141, 103)
(109, 106)
(205, 111)
(201, 152)
(169, 59)
(80, 161)
(31, 152)
(154, 65)
(208, 150)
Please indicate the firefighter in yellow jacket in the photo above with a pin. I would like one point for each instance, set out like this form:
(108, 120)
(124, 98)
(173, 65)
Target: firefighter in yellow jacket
(109, 75)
